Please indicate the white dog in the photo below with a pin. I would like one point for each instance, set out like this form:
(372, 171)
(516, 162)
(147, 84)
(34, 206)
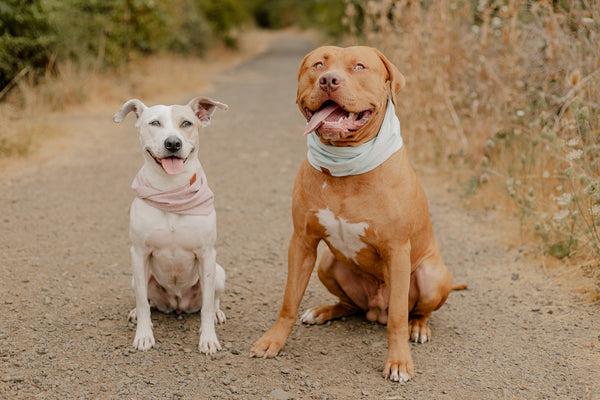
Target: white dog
(173, 221)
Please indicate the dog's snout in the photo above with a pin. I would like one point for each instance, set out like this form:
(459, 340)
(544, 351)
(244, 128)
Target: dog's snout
(330, 81)
(173, 143)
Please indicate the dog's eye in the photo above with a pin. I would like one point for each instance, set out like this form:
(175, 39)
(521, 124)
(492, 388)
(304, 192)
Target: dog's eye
(358, 67)
(318, 65)
(155, 123)
(186, 124)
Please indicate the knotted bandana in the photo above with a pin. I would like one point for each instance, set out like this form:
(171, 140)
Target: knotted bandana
(193, 198)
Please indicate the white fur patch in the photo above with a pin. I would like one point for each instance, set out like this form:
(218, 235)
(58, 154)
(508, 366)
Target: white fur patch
(309, 317)
(397, 376)
(344, 236)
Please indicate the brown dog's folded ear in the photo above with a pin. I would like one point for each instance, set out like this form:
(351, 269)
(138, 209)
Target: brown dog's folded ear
(204, 108)
(130, 105)
(301, 69)
(395, 77)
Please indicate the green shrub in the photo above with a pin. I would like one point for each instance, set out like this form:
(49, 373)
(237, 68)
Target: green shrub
(225, 17)
(109, 32)
(326, 15)
(26, 39)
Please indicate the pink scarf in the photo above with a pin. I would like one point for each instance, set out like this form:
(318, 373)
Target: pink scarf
(194, 198)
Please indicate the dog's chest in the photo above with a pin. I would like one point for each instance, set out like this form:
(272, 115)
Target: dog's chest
(169, 234)
(175, 234)
(174, 245)
(344, 236)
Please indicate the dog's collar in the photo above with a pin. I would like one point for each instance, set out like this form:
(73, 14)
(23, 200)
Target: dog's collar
(193, 198)
(344, 161)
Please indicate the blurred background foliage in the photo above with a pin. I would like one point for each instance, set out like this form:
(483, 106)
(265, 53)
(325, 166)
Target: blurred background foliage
(37, 34)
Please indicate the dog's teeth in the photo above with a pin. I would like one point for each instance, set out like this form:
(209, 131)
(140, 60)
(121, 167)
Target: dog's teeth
(351, 116)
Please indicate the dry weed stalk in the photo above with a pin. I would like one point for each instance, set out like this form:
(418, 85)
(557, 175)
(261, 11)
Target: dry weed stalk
(511, 89)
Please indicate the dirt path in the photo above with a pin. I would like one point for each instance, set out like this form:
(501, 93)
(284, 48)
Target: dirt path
(65, 278)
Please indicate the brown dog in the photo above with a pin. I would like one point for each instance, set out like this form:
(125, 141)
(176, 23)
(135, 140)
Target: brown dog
(358, 192)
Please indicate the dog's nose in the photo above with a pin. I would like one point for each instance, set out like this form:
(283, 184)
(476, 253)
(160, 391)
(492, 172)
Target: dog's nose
(173, 143)
(330, 81)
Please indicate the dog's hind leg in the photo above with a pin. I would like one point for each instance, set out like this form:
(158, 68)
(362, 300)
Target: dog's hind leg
(219, 289)
(161, 299)
(331, 273)
(430, 285)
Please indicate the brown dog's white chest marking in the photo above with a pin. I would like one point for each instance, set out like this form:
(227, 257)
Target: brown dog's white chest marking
(342, 235)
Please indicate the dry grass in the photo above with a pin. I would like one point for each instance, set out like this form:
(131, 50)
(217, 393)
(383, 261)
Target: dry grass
(25, 113)
(508, 93)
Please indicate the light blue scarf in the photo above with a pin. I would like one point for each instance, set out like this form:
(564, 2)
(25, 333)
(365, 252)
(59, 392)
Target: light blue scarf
(344, 161)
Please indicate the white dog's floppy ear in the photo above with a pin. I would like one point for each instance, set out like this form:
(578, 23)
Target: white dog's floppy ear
(204, 108)
(131, 105)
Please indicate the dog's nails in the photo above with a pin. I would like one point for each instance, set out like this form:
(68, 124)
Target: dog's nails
(404, 377)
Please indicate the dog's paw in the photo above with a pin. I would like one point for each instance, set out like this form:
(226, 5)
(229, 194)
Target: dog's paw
(132, 315)
(143, 341)
(220, 317)
(398, 371)
(419, 331)
(322, 314)
(313, 316)
(209, 345)
(266, 348)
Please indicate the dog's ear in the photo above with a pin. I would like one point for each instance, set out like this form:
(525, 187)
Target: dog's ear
(301, 70)
(204, 108)
(130, 105)
(395, 77)
(302, 66)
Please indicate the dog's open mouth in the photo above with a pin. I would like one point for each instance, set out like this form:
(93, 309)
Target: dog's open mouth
(332, 118)
(171, 165)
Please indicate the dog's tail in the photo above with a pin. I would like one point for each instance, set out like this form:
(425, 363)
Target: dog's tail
(460, 286)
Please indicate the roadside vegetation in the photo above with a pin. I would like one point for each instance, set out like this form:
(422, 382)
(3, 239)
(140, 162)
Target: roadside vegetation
(508, 93)
(503, 93)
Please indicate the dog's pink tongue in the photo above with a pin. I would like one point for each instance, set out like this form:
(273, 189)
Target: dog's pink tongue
(320, 116)
(172, 165)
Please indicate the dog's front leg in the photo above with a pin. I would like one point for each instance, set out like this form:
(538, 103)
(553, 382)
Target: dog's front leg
(209, 344)
(144, 338)
(399, 365)
(301, 261)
